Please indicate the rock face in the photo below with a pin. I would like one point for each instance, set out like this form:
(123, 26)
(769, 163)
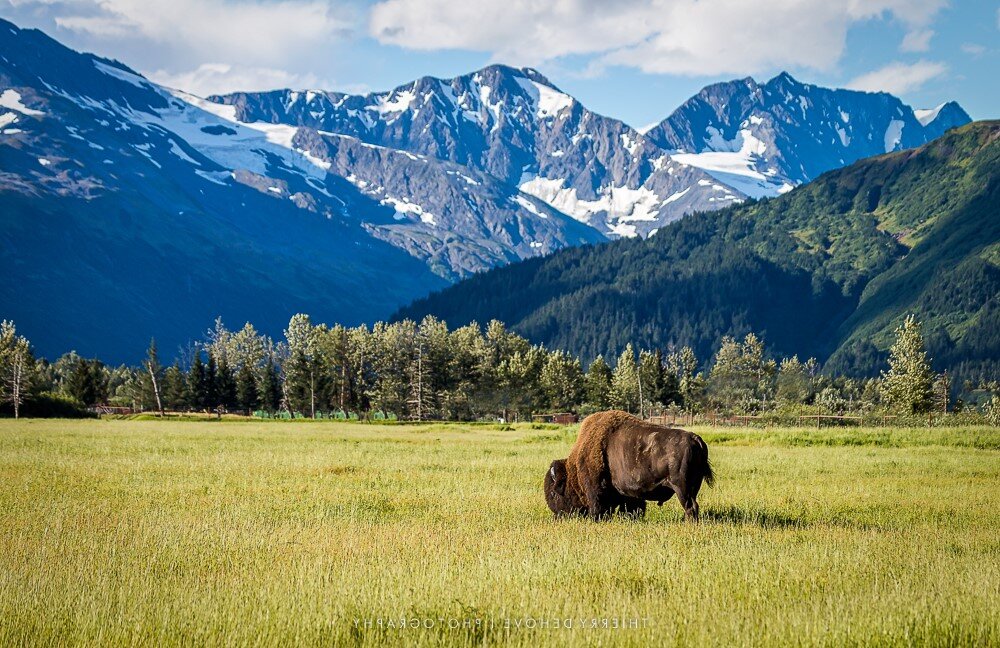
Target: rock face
(766, 138)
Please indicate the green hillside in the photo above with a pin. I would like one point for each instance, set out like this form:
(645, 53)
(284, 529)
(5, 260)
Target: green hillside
(827, 270)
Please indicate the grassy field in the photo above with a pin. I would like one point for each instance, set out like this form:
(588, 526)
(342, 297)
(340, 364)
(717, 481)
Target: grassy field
(329, 533)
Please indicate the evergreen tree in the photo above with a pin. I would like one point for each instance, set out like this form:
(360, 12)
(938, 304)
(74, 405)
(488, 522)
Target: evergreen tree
(306, 376)
(209, 388)
(225, 385)
(597, 383)
(63, 369)
(742, 378)
(197, 381)
(659, 387)
(520, 381)
(727, 381)
(906, 386)
(624, 393)
(562, 381)
(941, 393)
(246, 389)
(683, 365)
(174, 388)
(300, 383)
(87, 382)
(270, 387)
(794, 385)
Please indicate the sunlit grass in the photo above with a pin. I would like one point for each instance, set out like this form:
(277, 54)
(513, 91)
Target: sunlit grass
(261, 533)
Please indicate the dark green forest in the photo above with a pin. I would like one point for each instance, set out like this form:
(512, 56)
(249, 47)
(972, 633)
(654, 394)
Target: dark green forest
(828, 270)
(426, 371)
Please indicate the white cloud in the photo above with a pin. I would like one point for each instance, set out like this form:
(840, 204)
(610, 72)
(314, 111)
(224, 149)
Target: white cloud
(918, 40)
(661, 36)
(975, 49)
(256, 31)
(222, 78)
(899, 78)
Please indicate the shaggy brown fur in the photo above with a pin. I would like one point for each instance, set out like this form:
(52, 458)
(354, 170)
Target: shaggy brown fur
(619, 462)
(565, 501)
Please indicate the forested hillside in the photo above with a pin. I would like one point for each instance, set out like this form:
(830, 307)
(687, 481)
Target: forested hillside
(827, 270)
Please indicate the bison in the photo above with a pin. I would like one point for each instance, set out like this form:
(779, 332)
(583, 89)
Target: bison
(620, 462)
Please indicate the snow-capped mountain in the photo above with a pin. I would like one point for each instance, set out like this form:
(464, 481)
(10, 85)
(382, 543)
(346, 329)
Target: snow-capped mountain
(517, 127)
(764, 139)
(123, 199)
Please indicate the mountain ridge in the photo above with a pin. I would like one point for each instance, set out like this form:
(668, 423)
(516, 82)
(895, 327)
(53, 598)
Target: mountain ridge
(783, 133)
(827, 269)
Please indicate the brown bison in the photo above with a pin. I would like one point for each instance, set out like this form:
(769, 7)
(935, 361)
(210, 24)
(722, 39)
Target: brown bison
(620, 462)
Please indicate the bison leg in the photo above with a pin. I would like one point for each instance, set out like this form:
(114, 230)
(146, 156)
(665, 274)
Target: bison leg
(633, 508)
(688, 496)
(595, 495)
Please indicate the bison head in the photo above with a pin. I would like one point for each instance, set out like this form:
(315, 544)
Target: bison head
(560, 495)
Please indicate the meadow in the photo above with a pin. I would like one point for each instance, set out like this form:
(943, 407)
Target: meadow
(264, 533)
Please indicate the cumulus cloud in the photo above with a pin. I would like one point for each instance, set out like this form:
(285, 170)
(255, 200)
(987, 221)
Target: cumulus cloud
(899, 78)
(660, 36)
(222, 78)
(257, 31)
(203, 46)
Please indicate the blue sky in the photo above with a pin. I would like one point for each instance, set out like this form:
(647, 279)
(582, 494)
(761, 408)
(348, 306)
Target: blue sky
(636, 60)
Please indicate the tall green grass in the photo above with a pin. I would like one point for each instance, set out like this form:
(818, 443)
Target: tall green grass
(260, 533)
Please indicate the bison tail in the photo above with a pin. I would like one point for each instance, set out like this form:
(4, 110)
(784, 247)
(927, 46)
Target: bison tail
(709, 473)
(706, 470)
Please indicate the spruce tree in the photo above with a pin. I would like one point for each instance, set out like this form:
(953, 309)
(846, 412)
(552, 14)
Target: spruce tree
(210, 395)
(225, 385)
(197, 398)
(270, 387)
(174, 388)
(624, 393)
(562, 381)
(597, 383)
(906, 386)
(87, 382)
(683, 365)
(246, 389)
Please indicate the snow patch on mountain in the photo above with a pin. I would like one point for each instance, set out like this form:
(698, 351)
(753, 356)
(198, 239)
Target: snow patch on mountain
(394, 102)
(122, 75)
(404, 207)
(926, 115)
(530, 206)
(248, 149)
(548, 102)
(619, 205)
(11, 99)
(893, 135)
(738, 169)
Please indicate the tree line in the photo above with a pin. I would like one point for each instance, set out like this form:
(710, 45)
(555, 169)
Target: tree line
(423, 371)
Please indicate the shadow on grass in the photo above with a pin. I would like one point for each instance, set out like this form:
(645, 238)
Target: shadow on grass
(753, 517)
(765, 519)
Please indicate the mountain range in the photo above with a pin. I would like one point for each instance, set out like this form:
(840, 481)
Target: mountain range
(129, 202)
(828, 270)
